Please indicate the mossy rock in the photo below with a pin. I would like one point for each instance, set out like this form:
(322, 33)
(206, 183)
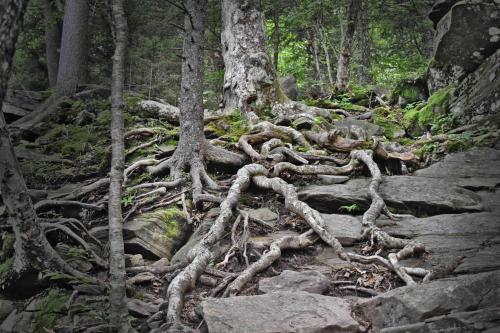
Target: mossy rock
(423, 116)
(157, 234)
(387, 119)
(409, 91)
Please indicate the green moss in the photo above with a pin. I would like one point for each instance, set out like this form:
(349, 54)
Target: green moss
(418, 117)
(232, 126)
(6, 266)
(172, 217)
(49, 310)
(386, 118)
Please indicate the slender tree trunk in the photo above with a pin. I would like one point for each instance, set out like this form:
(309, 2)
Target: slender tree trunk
(320, 76)
(74, 43)
(53, 31)
(32, 250)
(250, 80)
(364, 43)
(118, 309)
(327, 56)
(344, 60)
(276, 35)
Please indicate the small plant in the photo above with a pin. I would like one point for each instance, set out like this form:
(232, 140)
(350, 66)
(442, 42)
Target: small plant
(350, 208)
(128, 200)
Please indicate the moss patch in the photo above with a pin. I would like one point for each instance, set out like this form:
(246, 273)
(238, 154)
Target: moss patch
(172, 217)
(422, 116)
(49, 310)
(387, 119)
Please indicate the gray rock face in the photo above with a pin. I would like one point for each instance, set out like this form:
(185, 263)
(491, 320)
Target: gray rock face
(407, 194)
(181, 254)
(477, 95)
(439, 9)
(263, 214)
(415, 304)
(476, 168)
(279, 312)
(451, 236)
(346, 228)
(452, 46)
(289, 86)
(329, 179)
(309, 281)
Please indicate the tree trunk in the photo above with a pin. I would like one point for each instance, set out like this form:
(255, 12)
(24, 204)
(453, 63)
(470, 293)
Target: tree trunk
(118, 308)
(364, 43)
(32, 250)
(53, 31)
(74, 43)
(327, 56)
(346, 46)
(276, 35)
(250, 80)
(317, 63)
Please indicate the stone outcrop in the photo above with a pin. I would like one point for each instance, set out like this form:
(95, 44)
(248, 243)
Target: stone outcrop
(465, 302)
(279, 312)
(465, 36)
(289, 86)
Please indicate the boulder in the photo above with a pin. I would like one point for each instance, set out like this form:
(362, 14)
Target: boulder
(264, 214)
(279, 312)
(182, 253)
(157, 234)
(358, 129)
(406, 194)
(289, 86)
(309, 281)
(140, 309)
(477, 96)
(330, 180)
(440, 9)
(457, 53)
(6, 307)
(415, 304)
(263, 242)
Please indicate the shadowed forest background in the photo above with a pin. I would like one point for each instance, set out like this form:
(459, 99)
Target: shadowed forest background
(249, 166)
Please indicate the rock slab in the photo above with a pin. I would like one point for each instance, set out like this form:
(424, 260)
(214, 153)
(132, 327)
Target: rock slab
(279, 312)
(309, 281)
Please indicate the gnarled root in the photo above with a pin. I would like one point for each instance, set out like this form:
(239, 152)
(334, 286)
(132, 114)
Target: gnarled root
(334, 141)
(274, 253)
(375, 234)
(201, 255)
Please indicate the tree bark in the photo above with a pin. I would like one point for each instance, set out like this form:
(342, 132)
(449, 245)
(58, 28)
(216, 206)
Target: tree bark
(250, 80)
(73, 57)
(276, 35)
(53, 30)
(118, 308)
(32, 250)
(324, 44)
(344, 60)
(317, 63)
(364, 43)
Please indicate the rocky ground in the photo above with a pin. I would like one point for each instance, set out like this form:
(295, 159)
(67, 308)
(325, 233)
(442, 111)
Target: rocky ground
(451, 206)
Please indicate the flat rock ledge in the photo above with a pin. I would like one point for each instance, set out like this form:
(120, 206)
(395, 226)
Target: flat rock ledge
(283, 312)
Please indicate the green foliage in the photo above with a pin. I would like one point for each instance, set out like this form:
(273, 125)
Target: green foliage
(6, 266)
(127, 200)
(418, 117)
(49, 310)
(350, 208)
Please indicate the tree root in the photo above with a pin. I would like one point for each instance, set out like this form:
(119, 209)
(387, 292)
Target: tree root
(288, 242)
(44, 204)
(332, 140)
(375, 234)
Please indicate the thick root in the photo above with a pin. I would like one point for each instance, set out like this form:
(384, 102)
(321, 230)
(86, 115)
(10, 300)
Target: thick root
(288, 242)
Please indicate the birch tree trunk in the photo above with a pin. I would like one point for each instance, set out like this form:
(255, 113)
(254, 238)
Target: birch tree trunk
(117, 297)
(344, 60)
(74, 43)
(250, 80)
(53, 31)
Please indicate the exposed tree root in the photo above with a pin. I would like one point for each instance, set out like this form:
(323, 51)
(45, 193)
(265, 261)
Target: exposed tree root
(319, 169)
(332, 140)
(80, 192)
(368, 291)
(375, 234)
(274, 253)
(44, 204)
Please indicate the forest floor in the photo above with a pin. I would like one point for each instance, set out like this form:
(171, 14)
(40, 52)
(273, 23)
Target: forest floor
(447, 202)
